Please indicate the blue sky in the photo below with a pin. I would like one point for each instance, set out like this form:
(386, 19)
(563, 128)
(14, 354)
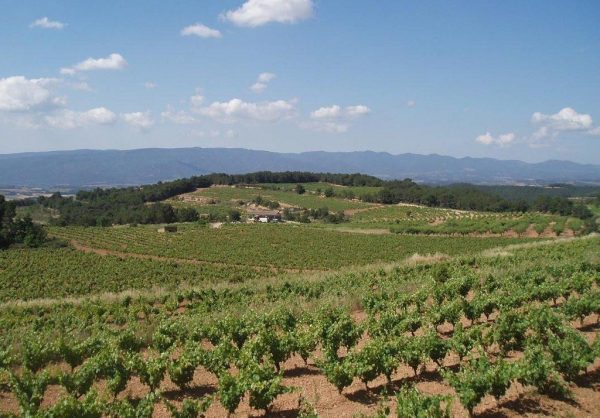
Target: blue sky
(504, 79)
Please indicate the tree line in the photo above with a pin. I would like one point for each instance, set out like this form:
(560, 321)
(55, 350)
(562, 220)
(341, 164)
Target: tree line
(468, 197)
(144, 204)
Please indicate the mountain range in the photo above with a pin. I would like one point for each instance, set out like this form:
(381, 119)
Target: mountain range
(85, 168)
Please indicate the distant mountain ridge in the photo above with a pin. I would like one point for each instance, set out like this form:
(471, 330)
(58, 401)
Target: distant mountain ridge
(81, 168)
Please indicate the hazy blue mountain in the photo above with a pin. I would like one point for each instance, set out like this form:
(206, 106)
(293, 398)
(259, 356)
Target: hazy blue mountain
(143, 166)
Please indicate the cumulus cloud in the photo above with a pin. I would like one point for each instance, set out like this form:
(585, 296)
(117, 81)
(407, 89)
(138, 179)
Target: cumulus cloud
(45, 23)
(19, 94)
(502, 140)
(566, 120)
(254, 13)
(335, 119)
(69, 119)
(330, 112)
(357, 111)
(112, 62)
(262, 82)
(142, 121)
(236, 109)
(336, 112)
(201, 31)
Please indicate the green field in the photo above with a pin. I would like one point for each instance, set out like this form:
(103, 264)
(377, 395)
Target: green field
(424, 220)
(443, 309)
(231, 195)
(182, 344)
(282, 246)
(319, 188)
(64, 272)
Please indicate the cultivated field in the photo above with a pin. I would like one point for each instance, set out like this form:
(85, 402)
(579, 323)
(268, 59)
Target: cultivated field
(278, 246)
(497, 333)
(397, 310)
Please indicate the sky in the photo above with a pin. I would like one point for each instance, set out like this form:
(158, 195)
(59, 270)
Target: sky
(510, 79)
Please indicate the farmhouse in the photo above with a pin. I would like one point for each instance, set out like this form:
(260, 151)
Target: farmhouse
(267, 217)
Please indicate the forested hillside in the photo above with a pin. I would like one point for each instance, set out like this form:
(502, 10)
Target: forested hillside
(146, 204)
(89, 168)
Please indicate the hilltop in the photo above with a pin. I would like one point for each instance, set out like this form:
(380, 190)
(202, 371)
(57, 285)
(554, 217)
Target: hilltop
(82, 168)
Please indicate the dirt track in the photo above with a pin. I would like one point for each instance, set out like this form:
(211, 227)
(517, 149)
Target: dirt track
(104, 252)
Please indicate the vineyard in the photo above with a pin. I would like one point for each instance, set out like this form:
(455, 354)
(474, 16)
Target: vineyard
(422, 220)
(217, 202)
(427, 312)
(278, 246)
(497, 333)
(284, 194)
(67, 272)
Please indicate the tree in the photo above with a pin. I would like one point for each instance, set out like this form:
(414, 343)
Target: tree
(7, 213)
(22, 231)
(28, 233)
(234, 215)
(299, 189)
(186, 215)
(329, 192)
(582, 212)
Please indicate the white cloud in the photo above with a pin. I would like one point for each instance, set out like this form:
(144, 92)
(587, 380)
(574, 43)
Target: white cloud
(178, 117)
(357, 111)
(506, 139)
(69, 119)
(112, 62)
(594, 131)
(19, 94)
(566, 120)
(150, 85)
(142, 121)
(238, 109)
(258, 87)
(336, 112)
(46, 23)
(262, 82)
(265, 77)
(197, 100)
(335, 119)
(485, 139)
(200, 30)
(330, 112)
(255, 13)
(502, 140)
(411, 103)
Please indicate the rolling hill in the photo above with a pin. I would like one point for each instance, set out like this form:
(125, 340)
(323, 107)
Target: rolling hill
(81, 168)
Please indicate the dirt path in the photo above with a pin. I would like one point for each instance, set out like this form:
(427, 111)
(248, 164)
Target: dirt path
(366, 231)
(104, 252)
